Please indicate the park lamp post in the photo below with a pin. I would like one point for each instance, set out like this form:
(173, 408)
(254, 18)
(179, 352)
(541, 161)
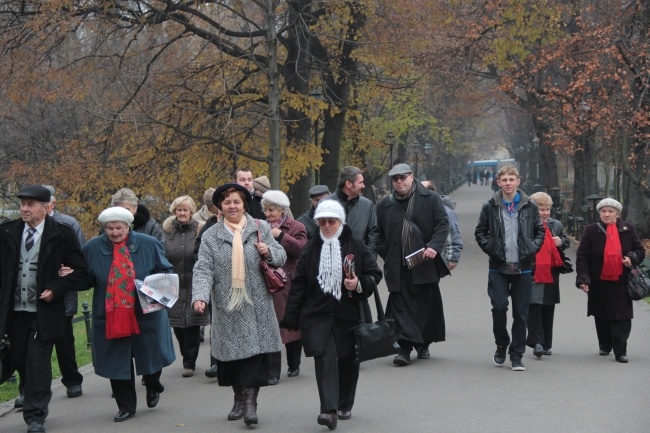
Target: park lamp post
(427, 153)
(390, 139)
(416, 150)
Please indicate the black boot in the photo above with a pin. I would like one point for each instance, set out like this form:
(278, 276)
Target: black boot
(250, 405)
(237, 411)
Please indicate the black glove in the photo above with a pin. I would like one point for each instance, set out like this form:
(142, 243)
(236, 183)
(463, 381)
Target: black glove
(284, 324)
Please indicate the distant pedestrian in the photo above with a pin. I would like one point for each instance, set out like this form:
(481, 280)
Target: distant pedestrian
(142, 220)
(607, 251)
(546, 279)
(316, 194)
(511, 233)
(468, 176)
(454, 242)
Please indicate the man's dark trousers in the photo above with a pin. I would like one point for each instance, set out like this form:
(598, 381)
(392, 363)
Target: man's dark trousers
(65, 353)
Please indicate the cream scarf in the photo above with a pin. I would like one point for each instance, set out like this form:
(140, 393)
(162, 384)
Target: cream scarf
(330, 268)
(238, 292)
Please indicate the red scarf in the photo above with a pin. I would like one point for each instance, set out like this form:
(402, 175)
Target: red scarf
(548, 257)
(121, 295)
(613, 257)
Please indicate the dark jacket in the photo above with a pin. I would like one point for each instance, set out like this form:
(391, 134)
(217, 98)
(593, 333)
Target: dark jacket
(307, 219)
(71, 298)
(430, 216)
(255, 209)
(179, 248)
(549, 293)
(318, 314)
(152, 349)
(360, 216)
(143, 223)
(59, 245)
(608, 300)
(490, 235)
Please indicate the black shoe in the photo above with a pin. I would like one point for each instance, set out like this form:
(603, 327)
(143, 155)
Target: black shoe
(402, 358)
(538, 351)
(74, 391)
(273, 380)
(123, 415)
(201, 334)
(548, 351)
(345, 414)
(328, 419)
(622, 359)
(603, 352)
(423, 353)
(517, 365)
(36, 427)
(20, 400)
(499, 357)
(153, 397)
(211, 372)
(294, 372)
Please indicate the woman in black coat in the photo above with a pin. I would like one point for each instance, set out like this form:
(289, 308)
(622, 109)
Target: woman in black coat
(324, 305)
(605, 280)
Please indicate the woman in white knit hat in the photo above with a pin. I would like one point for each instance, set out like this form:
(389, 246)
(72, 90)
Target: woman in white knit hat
(292, 235)
(607, 251)
(324, 305)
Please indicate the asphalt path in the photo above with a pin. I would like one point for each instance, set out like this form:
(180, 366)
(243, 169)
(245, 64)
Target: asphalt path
(457, 390)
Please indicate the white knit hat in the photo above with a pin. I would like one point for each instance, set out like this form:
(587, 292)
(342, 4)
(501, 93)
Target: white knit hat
(330, 209)
(115, 213)
(276, 197)
(610, 202)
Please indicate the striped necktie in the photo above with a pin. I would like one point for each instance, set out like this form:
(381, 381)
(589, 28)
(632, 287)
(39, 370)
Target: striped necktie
(29, 242)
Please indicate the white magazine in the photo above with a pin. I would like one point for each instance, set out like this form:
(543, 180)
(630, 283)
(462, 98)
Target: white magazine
(157, 291)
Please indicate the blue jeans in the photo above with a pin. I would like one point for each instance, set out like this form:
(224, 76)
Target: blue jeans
(518, 287)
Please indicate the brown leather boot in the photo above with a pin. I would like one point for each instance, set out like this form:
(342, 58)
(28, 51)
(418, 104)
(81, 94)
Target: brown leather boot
(237, 411)
(250, 405)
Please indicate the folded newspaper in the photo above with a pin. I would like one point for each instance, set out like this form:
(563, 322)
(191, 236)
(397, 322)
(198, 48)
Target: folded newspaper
(157, 291)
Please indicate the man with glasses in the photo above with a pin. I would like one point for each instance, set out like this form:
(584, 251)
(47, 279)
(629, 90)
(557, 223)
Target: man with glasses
(410, 219)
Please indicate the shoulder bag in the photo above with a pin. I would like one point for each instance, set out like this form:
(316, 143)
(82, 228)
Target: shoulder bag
(638, 283)
(374, 340)
(275, 278)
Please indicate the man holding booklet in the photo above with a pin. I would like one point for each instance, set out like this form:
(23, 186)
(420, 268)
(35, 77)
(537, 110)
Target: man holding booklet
(412, 222)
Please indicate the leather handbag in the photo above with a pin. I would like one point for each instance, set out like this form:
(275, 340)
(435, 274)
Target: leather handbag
(374, 340)
(6, 365)
(638, 283)
(275, 278)
(567, 266)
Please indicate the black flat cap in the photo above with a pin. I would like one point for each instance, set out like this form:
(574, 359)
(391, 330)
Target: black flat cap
(217, 199)
(318, 190)
(36, 192)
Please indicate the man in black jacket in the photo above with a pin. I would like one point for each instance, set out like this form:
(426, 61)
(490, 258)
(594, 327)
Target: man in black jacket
(316, 194)
(510, 232)
(32, 306)
(410, 219)
(244, 177)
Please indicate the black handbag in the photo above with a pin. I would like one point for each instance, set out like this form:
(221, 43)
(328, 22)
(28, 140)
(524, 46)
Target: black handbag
(6, 365)
(567, 266)
(638, 283)
(374, 340)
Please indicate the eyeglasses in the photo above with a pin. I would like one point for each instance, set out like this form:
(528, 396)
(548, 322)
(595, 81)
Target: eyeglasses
(400, 177)
(327, 221)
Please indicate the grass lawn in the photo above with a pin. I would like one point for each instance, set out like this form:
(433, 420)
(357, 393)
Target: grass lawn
(9, 391)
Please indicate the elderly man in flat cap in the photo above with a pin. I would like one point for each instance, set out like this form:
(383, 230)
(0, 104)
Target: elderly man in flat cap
(316, 194)
(413, 219)
(32, 308)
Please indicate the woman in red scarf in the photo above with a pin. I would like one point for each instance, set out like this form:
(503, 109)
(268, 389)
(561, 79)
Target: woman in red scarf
(121, 332)
(546, 279)
(607, 250)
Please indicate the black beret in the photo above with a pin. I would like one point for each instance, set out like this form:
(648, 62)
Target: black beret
(37, 192)
(216, 197)
(318, 190)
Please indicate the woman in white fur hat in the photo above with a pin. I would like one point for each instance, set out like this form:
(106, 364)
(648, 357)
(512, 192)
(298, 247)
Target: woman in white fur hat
(292, 236)
(607, 251)
(324, 305)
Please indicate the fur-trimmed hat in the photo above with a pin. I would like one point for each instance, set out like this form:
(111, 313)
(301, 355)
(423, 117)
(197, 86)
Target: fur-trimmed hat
(610, 202)
(115, 213)
(330, 209)
(276, 197)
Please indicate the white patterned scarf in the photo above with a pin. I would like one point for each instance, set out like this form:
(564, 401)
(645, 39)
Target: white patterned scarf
(330, 268)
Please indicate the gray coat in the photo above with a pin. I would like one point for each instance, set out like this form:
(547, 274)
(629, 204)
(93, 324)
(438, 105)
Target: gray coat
(361, 217)
(249, 330)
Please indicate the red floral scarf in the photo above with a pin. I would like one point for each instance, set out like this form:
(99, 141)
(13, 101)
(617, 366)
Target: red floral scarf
(613, 256)
(548, 257)
(121, 295)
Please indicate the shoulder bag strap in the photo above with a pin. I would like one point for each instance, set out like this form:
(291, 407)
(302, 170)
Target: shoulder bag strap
(405, 216)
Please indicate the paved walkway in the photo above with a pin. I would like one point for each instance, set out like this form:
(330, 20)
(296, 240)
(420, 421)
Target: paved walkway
(458, 390)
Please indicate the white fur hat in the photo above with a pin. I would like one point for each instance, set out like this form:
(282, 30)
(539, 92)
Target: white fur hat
(274, 196)
(115, 213)
(330, 209)
(610, 202)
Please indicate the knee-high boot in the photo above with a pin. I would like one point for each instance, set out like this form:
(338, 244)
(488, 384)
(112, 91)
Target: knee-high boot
(250, 405)
(237, 411)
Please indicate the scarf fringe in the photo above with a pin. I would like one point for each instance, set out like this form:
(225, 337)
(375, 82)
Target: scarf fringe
(330, 267)
(543, 274)
(121, 322)
(238, 296)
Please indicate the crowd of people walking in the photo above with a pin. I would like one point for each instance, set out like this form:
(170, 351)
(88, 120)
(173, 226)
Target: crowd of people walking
(329, 255)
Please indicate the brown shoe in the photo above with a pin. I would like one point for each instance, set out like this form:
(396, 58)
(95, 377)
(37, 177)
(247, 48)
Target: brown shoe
(328, 419)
